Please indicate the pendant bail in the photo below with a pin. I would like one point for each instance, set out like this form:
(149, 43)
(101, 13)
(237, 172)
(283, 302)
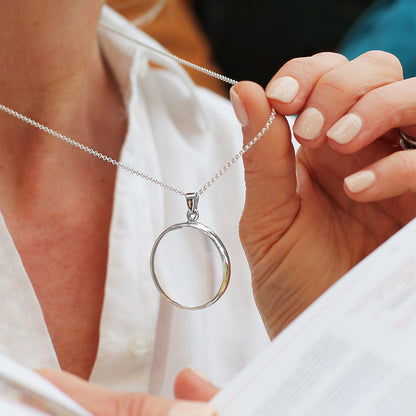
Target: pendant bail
(192, 200)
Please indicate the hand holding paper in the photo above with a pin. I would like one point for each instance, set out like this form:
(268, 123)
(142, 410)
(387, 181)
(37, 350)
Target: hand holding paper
(25, 393)
(351, 353)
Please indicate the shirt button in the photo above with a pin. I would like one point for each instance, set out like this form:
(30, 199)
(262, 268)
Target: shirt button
(138, 346)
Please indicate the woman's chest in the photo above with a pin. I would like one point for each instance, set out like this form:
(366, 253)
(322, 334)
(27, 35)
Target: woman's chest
(66, 263)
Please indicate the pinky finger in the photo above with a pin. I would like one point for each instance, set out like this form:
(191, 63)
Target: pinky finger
(389, 177)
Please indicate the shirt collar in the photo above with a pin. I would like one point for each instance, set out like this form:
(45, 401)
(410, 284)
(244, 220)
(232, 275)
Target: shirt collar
(120, 53)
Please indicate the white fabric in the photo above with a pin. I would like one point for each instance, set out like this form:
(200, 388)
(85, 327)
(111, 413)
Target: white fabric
(182, 135)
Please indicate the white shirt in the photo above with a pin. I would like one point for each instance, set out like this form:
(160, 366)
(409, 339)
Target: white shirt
(182, 135)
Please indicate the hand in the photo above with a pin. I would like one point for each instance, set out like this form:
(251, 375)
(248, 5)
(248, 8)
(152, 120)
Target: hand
(303, 225)
(189, 386)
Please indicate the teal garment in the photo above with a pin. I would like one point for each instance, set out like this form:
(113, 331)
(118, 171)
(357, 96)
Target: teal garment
(388, 25)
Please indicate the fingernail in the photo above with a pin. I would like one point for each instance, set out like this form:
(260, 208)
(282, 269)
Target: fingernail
(191, 409)
(345, 129)
(283, 89)
(239, 108)
(199, 374)
(360, 181)
(309, 124)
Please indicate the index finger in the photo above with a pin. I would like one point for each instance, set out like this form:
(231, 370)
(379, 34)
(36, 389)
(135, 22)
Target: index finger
(292, 85)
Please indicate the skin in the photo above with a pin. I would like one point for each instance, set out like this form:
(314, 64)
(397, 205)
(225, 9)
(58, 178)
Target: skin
(295, 207)
(43, 181)
(299, 208)
(189, 385)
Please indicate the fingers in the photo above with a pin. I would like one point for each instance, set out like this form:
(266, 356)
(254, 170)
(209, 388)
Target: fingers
(191, 384)
(381, 109)
(269, 170)
(352, 104)
(327, 94)
(292, 85)
(392, 176)
(105, 402)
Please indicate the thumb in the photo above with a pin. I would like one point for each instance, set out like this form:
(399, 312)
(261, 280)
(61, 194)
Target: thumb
(104, 402)
(191, 384)
(270, 171)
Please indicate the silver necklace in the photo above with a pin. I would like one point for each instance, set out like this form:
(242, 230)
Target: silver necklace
(191, 233)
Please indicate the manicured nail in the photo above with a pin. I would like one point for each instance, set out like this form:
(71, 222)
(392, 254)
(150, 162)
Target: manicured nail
(360, 181)
(345, 129)
(191, 409)
(239, 108)
(309, 124)
(283, 89)
(199, 374)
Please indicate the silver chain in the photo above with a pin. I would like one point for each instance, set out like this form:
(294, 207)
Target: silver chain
(237, 156)
(183, 62)
(136, 172)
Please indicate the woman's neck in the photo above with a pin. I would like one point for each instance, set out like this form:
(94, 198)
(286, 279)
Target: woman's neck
(47, 49)
(52, 71)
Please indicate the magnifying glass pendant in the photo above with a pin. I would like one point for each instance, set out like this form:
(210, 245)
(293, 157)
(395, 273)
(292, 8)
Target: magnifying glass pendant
(189, 263)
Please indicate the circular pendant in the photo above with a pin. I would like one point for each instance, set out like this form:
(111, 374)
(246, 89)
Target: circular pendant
(190, 265)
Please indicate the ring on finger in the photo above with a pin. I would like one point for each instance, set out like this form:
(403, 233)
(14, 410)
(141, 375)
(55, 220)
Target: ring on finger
(406, 142)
